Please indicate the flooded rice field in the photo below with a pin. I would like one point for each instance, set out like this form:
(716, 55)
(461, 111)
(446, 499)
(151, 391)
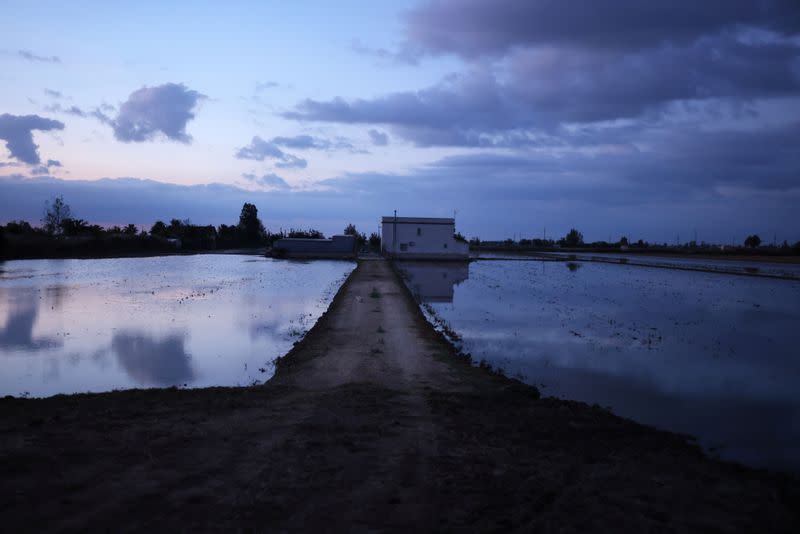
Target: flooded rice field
(778, 269)
(71, 326)
(712, 355)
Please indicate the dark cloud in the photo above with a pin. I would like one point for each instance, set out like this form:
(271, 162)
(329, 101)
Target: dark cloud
(30, 56)
(541, 90)
(534, 67)
(53, 163)
(160, 110)
(271, 181)
(17, 132)
(52, 93)
(259, 150)
(475, 27)
(378, 138)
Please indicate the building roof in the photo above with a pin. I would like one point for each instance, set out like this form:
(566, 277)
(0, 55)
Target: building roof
(418, 220)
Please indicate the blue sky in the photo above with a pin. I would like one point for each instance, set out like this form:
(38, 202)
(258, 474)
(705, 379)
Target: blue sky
(643, 119)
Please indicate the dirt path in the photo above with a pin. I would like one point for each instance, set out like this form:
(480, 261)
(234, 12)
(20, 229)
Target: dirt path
(371, 423)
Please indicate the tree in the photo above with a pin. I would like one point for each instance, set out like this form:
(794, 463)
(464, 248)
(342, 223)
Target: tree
(19, 227)
(623, 241)
(374, 242)
(249, 223)
(361, 238)
(159, 229)
(752, 241)
(130, 230)
(73, 227)
(574, 238)
(55, 213)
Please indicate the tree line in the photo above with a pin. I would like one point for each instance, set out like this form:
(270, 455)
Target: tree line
(63, 234)
(574, 239)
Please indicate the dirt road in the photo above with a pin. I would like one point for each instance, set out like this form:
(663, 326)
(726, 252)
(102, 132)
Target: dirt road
(371, 423)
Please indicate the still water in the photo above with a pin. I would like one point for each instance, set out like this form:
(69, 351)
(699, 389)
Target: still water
(712, 355)
(190, 321)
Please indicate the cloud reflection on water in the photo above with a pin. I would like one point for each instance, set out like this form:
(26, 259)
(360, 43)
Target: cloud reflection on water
(17, 334)
(153, 361)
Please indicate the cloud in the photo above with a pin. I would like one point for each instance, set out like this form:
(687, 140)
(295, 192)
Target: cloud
(52, 93)
(30, 56)
(308, 142)
(160, 110)
(291, 162)
(261, 86)
(17, 132)
(473, 28)
(270, 181)
(378, 138)
(69, 110)
(535, 67)
(542, 90)
(259, 150)
(302, 142)
(725, 183)
(45, 169)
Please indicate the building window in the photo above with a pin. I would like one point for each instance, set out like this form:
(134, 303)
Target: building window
(419, 231)
(412, 243)
(403, 247)
(445, 245)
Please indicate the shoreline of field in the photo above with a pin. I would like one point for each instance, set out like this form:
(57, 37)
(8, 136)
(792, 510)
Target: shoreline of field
(371, 422)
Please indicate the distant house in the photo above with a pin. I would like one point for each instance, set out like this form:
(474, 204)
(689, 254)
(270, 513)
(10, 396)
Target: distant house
(338, 246)
(422, 238)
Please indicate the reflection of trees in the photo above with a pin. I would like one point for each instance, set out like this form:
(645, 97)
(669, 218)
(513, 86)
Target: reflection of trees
(18, 331)
(149, 360)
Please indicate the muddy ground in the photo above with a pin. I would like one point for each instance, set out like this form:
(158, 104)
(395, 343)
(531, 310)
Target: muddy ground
(370, 423)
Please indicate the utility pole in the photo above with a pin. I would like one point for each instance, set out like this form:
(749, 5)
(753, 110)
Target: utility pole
(394, 235)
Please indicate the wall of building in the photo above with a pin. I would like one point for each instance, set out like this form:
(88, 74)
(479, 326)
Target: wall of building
(421, 239)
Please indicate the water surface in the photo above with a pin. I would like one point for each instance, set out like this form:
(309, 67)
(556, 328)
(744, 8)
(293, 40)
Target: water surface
(711, 355)
(71, 326)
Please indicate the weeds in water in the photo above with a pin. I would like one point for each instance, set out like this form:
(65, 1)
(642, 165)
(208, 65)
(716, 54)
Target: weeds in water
(374, 293)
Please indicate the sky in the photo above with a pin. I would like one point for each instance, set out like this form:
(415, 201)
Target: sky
(659, 121)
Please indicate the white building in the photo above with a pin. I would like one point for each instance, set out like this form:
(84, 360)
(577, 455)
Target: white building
(422, 238)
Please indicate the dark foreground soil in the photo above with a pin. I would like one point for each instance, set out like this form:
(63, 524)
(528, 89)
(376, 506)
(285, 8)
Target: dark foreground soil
(371, 423)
